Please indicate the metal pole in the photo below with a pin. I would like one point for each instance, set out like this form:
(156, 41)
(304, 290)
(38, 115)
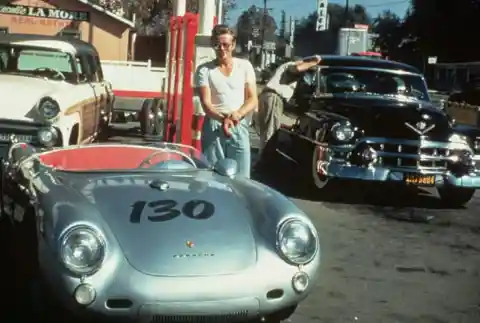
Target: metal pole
(347, 4)
(179, 7)
(207, 13)
(264, 19)
(219, 11)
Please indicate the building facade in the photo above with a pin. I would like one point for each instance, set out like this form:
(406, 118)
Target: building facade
(112, 35)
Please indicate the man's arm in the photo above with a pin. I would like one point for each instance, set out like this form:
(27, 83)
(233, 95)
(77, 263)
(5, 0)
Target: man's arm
(302, 66)
(205, 94)
(251, 99)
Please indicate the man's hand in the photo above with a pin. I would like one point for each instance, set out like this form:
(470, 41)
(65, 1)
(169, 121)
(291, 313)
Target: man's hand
(227, 124)
(235, 117)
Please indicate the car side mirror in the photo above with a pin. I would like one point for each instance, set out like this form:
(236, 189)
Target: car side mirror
(226, 167)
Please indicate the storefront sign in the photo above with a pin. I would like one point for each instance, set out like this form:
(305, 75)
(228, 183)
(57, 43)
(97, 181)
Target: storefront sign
(43, 22)
(48, 13)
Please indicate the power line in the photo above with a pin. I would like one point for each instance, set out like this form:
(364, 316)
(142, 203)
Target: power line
(366, 6)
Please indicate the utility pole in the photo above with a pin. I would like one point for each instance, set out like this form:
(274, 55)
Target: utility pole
(347, 4)
(283, 25)
(264, 23)
(262, 43)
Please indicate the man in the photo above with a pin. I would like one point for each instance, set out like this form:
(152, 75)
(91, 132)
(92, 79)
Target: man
(228, 92)
(279, 91)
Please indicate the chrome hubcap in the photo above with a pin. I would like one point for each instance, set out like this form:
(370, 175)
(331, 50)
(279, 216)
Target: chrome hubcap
(319, 165)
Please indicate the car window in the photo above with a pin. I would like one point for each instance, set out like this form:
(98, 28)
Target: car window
(371, 81)
(99, 68)
(42, 62)
(96, 70)
(3, 59)
(82, 69)
(29, 60)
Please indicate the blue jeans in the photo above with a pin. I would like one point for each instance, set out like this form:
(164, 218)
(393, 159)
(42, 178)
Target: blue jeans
(216, 145)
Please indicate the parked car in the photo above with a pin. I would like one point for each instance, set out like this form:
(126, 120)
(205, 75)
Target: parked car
(53, 91)
(372, 120)
(154, 233)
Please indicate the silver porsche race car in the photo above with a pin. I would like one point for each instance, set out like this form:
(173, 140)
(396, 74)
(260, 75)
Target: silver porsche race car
(154, 233)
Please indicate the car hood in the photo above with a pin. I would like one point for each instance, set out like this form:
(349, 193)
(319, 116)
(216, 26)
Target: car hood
(154, 230)
(389, 116)
(21, 93)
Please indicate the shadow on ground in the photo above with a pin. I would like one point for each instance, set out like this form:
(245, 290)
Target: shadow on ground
(392, 201)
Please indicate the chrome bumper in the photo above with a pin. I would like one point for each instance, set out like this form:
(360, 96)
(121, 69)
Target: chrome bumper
(382, 174)
(405, 157)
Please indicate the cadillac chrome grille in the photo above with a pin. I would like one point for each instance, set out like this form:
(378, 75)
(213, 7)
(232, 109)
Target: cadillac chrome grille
(7, 137)
(225, 318)
(410, 155)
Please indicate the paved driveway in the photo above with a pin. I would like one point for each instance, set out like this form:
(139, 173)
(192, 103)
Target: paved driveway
(382, 263)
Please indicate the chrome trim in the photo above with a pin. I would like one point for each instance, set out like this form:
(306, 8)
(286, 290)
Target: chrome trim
(381, 174)
(421, 143)
(374, 69)
(342, 168)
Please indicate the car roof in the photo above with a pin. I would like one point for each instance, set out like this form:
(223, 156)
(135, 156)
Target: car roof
(65, 44)
(362, 61)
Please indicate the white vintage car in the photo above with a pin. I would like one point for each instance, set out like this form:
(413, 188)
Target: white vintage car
(52, 91)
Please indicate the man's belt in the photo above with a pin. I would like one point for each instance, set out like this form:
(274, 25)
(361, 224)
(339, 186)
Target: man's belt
(269, 90)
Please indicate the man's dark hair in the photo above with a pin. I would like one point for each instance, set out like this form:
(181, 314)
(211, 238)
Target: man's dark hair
(219, 30)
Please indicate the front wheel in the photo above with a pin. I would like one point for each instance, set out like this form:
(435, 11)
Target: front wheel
(455, 196)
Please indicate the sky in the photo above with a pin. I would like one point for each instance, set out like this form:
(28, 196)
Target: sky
(301, 8)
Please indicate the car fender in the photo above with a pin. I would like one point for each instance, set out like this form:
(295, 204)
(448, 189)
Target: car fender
(65, 124)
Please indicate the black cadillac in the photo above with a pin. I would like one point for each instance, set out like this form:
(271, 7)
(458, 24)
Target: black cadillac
(373, 120)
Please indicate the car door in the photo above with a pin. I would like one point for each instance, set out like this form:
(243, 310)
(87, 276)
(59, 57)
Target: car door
(107, 104)
(88, 117)
(100, 88)
(92, 114)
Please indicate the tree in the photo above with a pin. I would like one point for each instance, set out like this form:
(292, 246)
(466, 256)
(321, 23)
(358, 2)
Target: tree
(249, 26)
(389, 28)
(308, 40)
(445, 28)
(152, 16)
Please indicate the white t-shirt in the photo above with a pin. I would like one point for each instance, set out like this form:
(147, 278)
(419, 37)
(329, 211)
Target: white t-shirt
(281, 84)
(228, 92)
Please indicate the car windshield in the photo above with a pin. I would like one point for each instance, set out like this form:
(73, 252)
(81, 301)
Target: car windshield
(372, 81)
(159, 157)
(37, 62)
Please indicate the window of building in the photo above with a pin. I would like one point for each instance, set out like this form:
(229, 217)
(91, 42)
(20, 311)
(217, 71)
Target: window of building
(3, 30)
(70, 33)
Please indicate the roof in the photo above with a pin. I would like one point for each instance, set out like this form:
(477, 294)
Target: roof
(364, 61)
(66, 44)
(98, 8)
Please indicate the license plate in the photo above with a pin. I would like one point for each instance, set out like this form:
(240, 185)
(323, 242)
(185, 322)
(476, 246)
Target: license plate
(419, 179)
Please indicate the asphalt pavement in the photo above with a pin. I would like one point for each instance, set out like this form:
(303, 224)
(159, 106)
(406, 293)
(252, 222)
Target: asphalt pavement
(388, 256)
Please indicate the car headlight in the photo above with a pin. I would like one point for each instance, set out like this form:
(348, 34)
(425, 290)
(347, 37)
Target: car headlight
(48, 108)
(343, 131)
(82, 250)
(457, 138)
(48, 137)
(297, 242)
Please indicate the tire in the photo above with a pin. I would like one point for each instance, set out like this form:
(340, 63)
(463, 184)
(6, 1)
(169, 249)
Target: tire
(455, 197)
(151, 126)
(326, 188)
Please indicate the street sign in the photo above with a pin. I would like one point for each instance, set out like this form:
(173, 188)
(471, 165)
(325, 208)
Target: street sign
(269, 46)
(322, 23)
(432, 60)
(255, 32)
